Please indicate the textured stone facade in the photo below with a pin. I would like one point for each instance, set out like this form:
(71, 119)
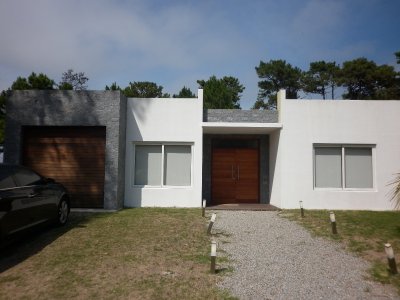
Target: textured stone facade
(73, 108)
(240, 116)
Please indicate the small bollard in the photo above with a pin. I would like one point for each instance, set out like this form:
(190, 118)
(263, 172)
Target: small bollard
(301, 209)
(203, 208)
(391, 259)
(213, 256)
(333, 222)
(212, 221)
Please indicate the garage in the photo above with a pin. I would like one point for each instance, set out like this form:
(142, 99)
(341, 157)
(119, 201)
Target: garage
(72, 155)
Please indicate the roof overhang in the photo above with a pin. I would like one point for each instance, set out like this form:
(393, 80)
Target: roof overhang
(240, 128)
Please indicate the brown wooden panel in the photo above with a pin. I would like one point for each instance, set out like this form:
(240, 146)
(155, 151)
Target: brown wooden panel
(223, 183)
(73, 156)
(247, 184)
(235, 176)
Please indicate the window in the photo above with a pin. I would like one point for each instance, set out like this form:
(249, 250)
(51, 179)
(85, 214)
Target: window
(177, 165)
(163, 165)
(147, 165)
(26, 177)
(348, 167)
(6, 177)
(358, 167)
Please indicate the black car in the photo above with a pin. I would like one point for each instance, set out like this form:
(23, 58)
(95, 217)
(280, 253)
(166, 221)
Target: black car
(28, 199)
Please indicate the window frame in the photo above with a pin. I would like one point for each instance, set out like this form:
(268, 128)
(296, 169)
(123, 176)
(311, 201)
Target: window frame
(343, 166)
(162, 144)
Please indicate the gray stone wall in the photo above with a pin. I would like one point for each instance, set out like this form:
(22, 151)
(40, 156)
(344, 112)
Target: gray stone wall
(73, 108)
(238, 115)
(264, 164)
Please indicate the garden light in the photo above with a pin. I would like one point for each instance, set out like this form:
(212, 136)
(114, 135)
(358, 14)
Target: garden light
(301, 209)
(213, 255)
(212, 221)
(333, 222)
(391, 259)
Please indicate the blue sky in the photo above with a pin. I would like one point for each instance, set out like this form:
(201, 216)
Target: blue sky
(174, 43)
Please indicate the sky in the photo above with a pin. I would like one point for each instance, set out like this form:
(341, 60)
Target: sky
(175, 43)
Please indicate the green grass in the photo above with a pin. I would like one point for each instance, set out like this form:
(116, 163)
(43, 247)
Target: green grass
(144, 253)
(362, 232)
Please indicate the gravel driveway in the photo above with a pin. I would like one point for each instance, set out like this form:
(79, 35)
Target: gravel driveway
(275, 258)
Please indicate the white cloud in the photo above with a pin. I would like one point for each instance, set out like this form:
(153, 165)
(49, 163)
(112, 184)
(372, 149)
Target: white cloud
(101, 36)
(175, 43)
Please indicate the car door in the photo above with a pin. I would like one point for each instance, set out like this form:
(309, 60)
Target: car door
(13, 213)
(37, 197)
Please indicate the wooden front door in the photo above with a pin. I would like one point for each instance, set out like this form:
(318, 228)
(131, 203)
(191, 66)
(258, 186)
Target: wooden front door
(235, 176)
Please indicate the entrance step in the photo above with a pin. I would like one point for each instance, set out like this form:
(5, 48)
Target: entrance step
(243, 206)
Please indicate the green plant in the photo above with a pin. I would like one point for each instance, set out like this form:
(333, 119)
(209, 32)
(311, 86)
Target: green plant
(396, 190)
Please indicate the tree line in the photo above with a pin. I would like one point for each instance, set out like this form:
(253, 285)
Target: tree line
(359, 78)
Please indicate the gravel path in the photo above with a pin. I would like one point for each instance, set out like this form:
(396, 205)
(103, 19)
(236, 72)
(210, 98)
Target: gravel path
(275, 258)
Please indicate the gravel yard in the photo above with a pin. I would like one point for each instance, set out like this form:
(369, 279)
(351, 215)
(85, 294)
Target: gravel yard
(275, 258)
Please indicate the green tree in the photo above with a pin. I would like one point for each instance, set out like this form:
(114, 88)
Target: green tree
(113, 87)
(365, 80)
(73, 81)
(184, 93)
(21, 83)
(222, 93)
(396, 190)
(3, 97)
(276, 75)
(321, 78)
(143, 89)
(34, 82)
(397, 54)
(387, 83)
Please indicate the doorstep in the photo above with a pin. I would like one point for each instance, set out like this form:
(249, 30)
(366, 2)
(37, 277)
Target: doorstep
(244, 206)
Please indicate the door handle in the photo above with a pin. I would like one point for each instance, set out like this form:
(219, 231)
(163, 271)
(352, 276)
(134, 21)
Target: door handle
(31, 195)
(238, 172)
(232, 174)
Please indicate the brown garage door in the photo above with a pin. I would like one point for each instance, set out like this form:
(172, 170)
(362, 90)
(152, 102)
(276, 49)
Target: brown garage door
(73, 156)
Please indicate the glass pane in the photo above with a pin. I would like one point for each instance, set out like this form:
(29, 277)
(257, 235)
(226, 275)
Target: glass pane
(177, 165)
(358, 167)
(26, 177)
(148, 165)
(6, 180)
(328, 167)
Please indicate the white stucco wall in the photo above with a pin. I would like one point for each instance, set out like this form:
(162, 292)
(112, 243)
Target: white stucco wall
(163, 120)
(308, 122)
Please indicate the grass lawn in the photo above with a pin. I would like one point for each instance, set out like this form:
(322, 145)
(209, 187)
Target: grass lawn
(143, 253)
(362, 232)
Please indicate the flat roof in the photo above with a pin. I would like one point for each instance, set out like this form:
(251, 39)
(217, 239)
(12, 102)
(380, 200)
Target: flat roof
(240, 128)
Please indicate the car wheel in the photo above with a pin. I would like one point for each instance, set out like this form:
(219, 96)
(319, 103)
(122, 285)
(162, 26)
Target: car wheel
(63, 212)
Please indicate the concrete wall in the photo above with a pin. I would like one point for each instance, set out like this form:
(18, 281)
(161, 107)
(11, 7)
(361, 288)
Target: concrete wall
(309, 122)
(73, 108)
(164, 120)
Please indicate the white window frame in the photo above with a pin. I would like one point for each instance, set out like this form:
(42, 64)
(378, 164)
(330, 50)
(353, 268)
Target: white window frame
(343, 147)
(162, 144)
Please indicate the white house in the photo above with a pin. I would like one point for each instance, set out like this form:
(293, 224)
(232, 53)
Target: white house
(163, 152)
(111, 151)
(330, 154)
